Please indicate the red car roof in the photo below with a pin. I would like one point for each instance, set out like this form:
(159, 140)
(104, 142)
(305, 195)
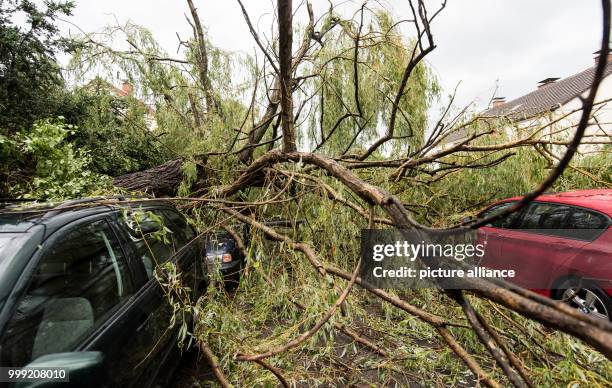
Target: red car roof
(596, 199)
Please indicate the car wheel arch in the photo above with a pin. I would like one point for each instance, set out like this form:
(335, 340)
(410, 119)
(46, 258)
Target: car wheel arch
(556, 290)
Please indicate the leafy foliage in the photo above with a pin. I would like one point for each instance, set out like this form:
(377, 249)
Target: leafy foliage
(116, 131)
(465, 191)
(382, 58)
(52, 168)
(31, 85)
(263, 313)
(183, 123)
(265, 310)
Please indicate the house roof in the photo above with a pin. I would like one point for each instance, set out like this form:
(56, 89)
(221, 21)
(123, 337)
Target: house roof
(455, 136)
(118, 91)
(548, 97)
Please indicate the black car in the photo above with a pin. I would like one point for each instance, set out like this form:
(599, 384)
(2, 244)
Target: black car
(223, 254)
(78, 288)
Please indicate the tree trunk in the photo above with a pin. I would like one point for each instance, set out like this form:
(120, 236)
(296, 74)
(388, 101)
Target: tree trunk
(161, 181)
(285, 38)
(202, 58)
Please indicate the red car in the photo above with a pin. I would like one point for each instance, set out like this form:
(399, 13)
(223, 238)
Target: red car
(560, 246)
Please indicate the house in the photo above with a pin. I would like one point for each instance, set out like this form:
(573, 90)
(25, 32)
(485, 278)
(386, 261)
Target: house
(553, 109)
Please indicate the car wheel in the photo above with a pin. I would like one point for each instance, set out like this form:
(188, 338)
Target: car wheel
(586, 297)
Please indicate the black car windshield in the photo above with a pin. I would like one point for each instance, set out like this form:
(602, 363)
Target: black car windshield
(9, 246)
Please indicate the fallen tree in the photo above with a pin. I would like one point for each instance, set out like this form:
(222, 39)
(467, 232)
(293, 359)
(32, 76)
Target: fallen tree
(161, 181)
(365, 172)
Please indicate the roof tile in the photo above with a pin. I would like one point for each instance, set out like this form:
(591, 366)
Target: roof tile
(546, 98)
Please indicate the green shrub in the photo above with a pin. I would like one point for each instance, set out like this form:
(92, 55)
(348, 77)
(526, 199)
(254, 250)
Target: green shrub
(48, 166)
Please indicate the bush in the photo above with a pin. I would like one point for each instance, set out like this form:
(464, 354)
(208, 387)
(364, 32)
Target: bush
(42, 164)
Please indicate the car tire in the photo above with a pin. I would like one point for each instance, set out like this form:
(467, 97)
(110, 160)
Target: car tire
(585, 296)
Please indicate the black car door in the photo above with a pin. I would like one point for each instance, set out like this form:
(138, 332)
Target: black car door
(188, 249)
(80, 295)
(154, 242)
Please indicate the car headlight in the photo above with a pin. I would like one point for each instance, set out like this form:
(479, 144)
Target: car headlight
(223, 258)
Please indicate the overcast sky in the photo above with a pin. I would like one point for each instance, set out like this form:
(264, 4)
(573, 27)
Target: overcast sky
(481, 43)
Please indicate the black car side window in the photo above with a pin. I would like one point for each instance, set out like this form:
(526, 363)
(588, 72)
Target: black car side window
(547, 218)
(504, 222)
(76, 286)
(153, 235)
(184, 233)
(583, 224)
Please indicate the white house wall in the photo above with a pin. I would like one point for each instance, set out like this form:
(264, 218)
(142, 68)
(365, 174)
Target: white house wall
(600, 130)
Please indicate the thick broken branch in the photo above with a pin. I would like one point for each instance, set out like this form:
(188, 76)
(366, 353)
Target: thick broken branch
(160, 181)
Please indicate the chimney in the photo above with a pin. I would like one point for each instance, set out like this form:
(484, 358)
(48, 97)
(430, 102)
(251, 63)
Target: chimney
(547, 81)
(127, 88)
(498, 101)
(598, 54)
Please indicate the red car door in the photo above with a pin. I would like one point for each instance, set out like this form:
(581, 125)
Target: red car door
(539, 250)
(492, 235)
(592, 263)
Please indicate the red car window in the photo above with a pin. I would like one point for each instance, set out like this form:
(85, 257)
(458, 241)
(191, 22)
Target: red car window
(586, 225)
(545, 216)
(504, 222)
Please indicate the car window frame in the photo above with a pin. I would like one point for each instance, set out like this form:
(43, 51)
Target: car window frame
(137, 269)
(26, 276)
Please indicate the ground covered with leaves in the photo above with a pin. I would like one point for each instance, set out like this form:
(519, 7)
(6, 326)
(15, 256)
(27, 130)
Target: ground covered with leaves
(368, 343)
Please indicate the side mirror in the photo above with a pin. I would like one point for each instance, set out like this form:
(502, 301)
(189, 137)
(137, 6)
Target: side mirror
(83, 369)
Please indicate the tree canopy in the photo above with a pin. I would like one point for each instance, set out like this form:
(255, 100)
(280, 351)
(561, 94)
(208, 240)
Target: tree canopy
(31, 82)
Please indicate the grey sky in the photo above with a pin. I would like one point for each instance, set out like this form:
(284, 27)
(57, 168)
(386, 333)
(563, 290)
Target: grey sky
(514, 42)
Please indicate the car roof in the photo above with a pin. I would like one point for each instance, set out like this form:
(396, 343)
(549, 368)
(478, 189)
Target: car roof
(52, 216)
(595, 199)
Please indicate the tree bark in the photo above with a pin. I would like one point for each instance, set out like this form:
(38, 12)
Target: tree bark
(161, 181)
(202, 58)
(285, 38)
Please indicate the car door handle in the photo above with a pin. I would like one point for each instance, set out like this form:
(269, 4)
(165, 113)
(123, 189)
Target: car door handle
(143, 321)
